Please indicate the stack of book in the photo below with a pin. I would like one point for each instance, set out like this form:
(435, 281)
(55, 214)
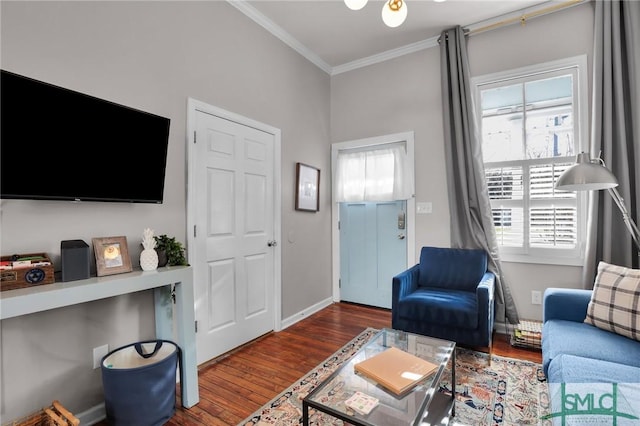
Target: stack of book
(527, 334)
(361, 403)
(395, 369)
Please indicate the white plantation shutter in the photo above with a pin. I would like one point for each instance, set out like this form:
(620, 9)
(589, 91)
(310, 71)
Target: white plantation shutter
(506, 194)
(553, 214)
(528, 212)
(509, 224)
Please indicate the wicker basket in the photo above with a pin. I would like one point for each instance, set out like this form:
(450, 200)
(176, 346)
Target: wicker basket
(54, 415)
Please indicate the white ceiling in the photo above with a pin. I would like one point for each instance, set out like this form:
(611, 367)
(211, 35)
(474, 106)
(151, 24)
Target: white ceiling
(333, 36)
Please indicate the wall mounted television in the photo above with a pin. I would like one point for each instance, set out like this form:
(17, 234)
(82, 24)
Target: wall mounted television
(59, 144)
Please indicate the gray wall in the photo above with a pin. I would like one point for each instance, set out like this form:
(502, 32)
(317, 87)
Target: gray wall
(151, 56)
(405, 94)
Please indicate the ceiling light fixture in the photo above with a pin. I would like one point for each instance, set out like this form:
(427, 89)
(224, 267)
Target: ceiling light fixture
(394, 12)
(355, 4)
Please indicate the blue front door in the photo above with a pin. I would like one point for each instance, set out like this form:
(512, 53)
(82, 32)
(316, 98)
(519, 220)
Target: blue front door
(373, 249)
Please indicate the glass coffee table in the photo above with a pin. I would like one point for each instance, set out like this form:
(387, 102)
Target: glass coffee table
(423, 404)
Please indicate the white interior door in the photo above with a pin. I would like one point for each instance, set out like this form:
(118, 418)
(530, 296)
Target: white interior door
(233, 198)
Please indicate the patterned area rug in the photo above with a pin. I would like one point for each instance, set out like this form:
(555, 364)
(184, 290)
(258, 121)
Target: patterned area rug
(509, 392)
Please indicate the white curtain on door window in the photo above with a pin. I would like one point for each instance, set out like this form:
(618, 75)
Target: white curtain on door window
(376, 175)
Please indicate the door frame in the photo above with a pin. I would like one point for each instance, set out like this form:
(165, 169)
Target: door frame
(195, 242)
(408, 138)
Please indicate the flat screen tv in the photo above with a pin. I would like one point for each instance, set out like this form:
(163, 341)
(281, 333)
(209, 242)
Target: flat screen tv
(59, 144)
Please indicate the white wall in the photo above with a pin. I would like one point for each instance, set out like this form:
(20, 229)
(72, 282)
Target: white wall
(405, 94)
(151, 56)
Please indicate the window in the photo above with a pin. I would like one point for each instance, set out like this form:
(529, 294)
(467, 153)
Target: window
(379, 174)
(531, 123)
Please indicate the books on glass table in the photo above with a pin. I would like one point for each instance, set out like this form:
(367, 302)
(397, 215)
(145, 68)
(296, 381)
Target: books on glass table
(396, 369)
(361, 403)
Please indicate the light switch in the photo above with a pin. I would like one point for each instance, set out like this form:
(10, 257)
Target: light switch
(424, 207)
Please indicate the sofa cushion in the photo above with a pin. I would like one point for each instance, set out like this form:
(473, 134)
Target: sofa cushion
(615, 301)
(441, 306)
(576, 369)
(581, 339)
(452, 268)
(577, 381)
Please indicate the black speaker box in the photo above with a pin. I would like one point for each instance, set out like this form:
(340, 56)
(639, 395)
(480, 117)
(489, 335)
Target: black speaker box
(75, 260)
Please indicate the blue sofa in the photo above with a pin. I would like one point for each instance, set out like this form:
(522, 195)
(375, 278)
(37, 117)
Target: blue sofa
(576, 352)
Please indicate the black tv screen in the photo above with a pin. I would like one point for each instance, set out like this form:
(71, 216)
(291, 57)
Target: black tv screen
(59, 144)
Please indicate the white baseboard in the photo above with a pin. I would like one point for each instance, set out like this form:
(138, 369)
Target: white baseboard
(501, 327)
(93, 415)
(287, 322)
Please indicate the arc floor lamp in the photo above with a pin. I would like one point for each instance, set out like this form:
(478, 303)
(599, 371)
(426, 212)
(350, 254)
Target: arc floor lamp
(592, 175)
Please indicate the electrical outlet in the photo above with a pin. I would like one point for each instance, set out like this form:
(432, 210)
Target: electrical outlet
(98, 354)
(536, 297)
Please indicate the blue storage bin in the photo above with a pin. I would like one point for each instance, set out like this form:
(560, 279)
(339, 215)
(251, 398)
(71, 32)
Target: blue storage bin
(139, 382)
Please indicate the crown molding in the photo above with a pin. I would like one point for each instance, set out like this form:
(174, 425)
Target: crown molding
(385, 56)
(277, 31)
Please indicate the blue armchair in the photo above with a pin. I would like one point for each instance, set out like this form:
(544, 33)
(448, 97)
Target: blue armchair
(448, 295)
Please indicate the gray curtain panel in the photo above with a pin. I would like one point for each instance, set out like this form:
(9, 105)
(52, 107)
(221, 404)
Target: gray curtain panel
(471, 219)
(615, 132)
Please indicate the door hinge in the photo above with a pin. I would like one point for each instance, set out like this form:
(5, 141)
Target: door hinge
(196, 322)
(338, 225)
(194, 231)
(339, 283)
(194, 136)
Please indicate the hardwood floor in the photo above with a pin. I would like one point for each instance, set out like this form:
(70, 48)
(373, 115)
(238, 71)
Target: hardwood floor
(238, 383)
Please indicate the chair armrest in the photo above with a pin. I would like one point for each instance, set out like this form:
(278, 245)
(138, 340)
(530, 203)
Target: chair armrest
(486, 288)
(565, 304)
(405, 282)
(402, 285)
(484, 294)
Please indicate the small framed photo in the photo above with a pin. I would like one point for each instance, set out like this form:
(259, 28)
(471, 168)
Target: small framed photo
(112, 255)
(307, 188)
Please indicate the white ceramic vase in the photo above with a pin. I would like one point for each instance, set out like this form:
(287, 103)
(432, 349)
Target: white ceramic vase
(148, 260)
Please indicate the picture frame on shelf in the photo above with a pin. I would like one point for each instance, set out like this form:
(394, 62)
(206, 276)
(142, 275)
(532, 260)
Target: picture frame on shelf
(112, 255)
(307, 188)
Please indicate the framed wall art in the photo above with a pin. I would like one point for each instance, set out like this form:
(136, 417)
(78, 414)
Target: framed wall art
(112, 255)
(307, 188)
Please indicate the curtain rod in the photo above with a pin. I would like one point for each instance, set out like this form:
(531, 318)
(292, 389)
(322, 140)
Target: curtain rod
(523, 18)
(364, 148)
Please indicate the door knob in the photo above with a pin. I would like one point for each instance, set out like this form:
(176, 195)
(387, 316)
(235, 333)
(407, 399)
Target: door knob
(401, 236)
(272, 243)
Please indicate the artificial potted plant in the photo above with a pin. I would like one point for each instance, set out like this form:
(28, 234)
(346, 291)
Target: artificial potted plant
(171, 250)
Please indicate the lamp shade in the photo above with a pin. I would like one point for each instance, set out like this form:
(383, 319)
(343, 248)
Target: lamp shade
(586, 175)
(394, 12)
(355, 4)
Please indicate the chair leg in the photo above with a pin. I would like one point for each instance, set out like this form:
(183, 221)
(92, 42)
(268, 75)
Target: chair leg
(490, 348)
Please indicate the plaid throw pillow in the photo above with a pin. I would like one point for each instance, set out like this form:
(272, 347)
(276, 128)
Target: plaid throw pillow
(615, 301)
